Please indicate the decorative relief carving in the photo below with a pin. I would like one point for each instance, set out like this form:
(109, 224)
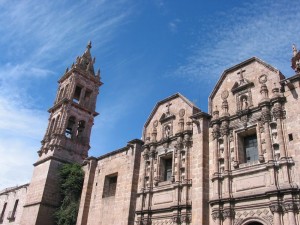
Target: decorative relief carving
(275, 208)
(225, 94)
(216, 215)
(290, 207)
(253, 215)
(265, 116)
(263, 79)
(155, 123)
(228, 213)
(181, 113)
(216, 131)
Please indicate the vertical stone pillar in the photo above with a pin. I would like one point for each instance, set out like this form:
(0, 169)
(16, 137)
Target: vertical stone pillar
(266, 121)
(290, 209)
(278, 115)
(276, 209)
(259, 145)
(178, 148)
(217, 216)
(145, 157)
(89, 167)
(216, 135)
(227, 216)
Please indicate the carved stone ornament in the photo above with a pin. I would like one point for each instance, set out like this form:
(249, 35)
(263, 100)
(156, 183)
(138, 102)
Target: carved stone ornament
(276, 208)
(181, 113)
(290, 207)
(155, 123)
(216, 131)
(216, 215)
(263, 79)
(265, 116)
(225, 94)
(228, 213)
(224, 128)
(278, 113)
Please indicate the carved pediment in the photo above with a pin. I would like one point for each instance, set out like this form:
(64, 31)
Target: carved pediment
(240, 86)
(166, 117)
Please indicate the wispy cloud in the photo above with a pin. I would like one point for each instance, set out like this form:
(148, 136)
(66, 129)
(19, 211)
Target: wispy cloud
(264, 29)
(38, 38)
(173, 25)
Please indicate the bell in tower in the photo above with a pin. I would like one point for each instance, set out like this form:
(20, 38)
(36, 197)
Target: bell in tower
(66, 139)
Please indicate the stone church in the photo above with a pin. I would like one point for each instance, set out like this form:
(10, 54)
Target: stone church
(235, 165)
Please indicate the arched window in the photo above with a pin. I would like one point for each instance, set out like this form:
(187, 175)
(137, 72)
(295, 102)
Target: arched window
(69, 128)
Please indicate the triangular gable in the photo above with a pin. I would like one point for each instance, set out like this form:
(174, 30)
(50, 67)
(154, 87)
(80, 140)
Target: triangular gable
(177, 95)
(236, 67)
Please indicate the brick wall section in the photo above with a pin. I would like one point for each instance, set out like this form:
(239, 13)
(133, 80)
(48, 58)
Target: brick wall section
(43, 192)
(118, 209)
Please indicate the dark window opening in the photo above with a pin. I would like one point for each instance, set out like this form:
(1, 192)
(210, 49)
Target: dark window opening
(77, 94)
(250, 148)
(55, 126)
(110, 185)
(11, 214)
(291, 137)
(3, 211)
(166, 169)
(69, 128)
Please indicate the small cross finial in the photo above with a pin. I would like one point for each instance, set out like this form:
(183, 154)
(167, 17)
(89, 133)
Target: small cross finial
(241, 76)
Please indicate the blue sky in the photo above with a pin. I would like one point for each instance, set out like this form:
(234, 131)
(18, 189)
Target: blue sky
(147, 51)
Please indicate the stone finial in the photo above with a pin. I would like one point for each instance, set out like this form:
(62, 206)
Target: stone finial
(89, 45)
(98, 73)
(294, 50)
(67, 69)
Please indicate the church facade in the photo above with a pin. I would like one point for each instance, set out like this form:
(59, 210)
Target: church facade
(235, 165)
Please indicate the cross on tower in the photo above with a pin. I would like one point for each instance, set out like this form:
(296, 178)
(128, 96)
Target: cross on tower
(168, 105)
(241, 77)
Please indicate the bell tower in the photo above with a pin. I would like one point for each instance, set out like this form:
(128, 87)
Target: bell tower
(66, 139)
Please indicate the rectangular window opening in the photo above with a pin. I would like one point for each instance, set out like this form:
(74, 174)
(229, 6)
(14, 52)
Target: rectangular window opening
(291, 137)
(3, 211)
(166, 168)
(77, 93)
(110, 185)
(250, 148)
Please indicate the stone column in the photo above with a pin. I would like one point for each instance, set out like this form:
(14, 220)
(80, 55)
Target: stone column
(291, 208)
(178, 148)
(227, 216)
(225, 132)
(217, 217)
(276, 209)
(216, 135)
(145, 157)
(266, 121)
(259, 145)
(81, 98)
(152, 156)
(278, 115)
